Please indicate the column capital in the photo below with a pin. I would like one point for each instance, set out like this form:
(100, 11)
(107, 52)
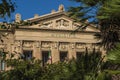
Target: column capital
(72, 45)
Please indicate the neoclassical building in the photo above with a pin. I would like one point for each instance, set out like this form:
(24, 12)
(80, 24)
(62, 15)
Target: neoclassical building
(52, 35)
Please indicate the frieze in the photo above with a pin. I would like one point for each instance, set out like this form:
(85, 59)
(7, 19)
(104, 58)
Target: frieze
(46, 44)
(55, 45)
(80, 46)
(62, 24)
(72, 45)
(38, 44)
(89, 46)
(63, 35)
(28, 44)
(46, 24)
(63, 46)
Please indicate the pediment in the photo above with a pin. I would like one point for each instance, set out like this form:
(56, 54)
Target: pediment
(59, 21)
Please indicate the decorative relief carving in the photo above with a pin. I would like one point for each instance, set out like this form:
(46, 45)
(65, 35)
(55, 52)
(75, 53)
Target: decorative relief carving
(28, 44)
(89, 46)
(65, 23)
(80, 45)
(38, 44)
(72, 45)
(17, 46)
(46, 44)
(58, 23)
(55, 45)
(48, 24)
(62, 24)
(16, 49)
(63, 46)
(75, 25)
(18, 43)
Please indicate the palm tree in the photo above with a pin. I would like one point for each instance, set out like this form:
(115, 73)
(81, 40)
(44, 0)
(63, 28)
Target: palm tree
(106, 13)
(6, 8)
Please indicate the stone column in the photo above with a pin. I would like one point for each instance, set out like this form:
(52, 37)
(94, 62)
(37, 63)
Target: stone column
(55, 52)
(37, 50)
(71, 51)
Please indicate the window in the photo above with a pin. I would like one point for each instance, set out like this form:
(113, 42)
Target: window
(2, 65)
(46, 57)
(63, 56)
(27, 55)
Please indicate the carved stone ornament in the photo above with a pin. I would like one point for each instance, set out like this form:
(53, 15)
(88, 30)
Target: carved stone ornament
(2, 46)
(28, 44)
(46, 44)
(75, 26)
(18, 43)
(17, 17)
(17, 49)
(61, 7)
(55, 45)
(48, 24)
(63, 46)
(37, 44)
(72, 45)
(80, 46)
(89, 46)
(62, 24)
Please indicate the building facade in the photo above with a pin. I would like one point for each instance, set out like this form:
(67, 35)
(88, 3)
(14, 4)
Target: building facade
(52, 36)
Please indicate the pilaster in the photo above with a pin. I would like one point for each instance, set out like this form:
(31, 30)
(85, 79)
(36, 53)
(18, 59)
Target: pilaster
(55, 52)
(71, 51)
(37, 50)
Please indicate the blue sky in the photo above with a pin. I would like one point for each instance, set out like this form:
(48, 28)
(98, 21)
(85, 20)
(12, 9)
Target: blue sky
(27, 8)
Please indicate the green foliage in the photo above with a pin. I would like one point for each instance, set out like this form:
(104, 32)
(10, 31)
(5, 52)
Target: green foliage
(110, 9)
(87, 67)
(90, 2)
(22, 70)
(107, 14)
(114, 55)
(6, 8)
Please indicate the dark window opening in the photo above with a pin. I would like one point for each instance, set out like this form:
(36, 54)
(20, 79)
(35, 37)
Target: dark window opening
(46, 56)
(63, 56)
(27, 55)
(2, 65)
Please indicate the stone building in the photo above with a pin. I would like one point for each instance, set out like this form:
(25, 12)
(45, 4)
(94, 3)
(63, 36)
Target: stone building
(50, 35)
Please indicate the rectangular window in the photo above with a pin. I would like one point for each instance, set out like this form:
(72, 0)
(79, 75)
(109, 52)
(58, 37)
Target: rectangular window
(63, 55)
(2, 65)
(46, 57)
(27, 54)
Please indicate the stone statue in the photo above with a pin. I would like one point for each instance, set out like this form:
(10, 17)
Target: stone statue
(17, 18)
(61, 8)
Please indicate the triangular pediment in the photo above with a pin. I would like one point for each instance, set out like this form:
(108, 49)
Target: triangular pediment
(58, 21)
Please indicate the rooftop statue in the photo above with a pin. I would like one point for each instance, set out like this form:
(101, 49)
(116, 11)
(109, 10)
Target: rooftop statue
(61, 8)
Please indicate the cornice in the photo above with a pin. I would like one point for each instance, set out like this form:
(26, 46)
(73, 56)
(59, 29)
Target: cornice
(58, 30)
(47, 16)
